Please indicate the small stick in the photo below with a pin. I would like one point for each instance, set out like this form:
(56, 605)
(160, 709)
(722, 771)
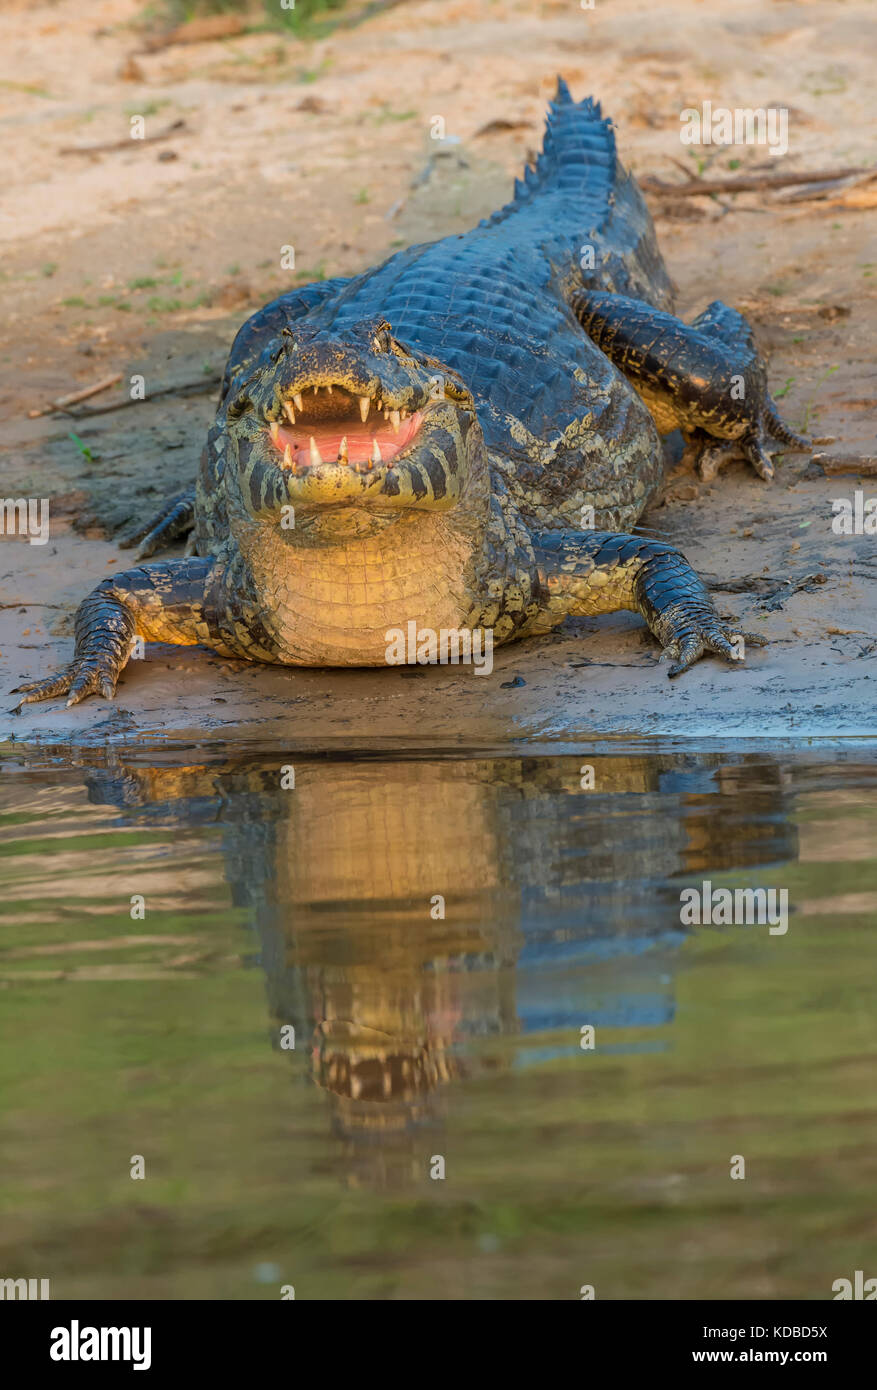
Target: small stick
(63, 401)
(744, 183)
(87, 391)
(849, 463)
(175, 128)
(206, 30)
(200, 386)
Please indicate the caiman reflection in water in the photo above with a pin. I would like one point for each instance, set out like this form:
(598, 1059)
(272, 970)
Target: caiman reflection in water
(409, 911)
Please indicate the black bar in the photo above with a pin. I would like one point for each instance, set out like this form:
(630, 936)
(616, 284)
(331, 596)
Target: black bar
(252, 1337)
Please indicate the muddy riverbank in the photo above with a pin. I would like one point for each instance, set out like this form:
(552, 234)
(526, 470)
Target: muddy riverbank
(144, 260)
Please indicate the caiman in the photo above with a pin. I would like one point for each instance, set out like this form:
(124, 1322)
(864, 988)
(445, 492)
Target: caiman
(461, 438)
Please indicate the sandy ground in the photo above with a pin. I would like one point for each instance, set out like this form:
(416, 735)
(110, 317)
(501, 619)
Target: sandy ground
(145, 258)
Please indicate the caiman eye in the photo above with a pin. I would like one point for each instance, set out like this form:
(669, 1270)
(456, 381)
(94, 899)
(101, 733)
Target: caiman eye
(382, 340)
(454, 391)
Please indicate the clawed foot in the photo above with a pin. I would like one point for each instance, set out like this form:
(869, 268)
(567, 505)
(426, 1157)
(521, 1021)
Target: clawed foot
(714, 456)
(104, 629)
(84, 676)
(753, 448)
(707, 634)
(680, 613)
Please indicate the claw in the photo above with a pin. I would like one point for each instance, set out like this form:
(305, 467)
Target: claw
(34, 691)
(712, 457)
(754, 451)
(692, 648)
(720, 643)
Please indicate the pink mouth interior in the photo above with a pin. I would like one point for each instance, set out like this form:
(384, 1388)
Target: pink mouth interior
(328, 435)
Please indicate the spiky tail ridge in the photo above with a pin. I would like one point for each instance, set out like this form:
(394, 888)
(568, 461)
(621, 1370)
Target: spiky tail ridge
(578, 156)
(577, 193)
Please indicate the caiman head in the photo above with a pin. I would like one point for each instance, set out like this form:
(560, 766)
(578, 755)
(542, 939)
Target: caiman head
(331, 419)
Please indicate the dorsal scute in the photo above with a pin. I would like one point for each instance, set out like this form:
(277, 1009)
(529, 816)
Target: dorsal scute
(578, 152)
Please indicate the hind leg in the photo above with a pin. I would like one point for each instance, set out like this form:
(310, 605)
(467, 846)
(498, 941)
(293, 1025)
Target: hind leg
(705, 378)
(175, 518)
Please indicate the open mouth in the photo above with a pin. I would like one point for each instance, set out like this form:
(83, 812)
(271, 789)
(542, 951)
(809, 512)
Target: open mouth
(327, 424)
(376, 1078)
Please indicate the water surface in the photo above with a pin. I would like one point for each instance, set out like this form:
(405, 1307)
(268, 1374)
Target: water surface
(433, 933)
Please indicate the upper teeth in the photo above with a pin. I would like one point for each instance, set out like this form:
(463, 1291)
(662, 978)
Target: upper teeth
(394, 416)
(275, 434)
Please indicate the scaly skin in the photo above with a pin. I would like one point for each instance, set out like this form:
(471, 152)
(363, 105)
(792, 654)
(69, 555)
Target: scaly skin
(706, 379)
(359, 476)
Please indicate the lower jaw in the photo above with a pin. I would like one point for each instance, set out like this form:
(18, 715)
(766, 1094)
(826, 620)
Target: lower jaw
(386, 489)
(333, 485)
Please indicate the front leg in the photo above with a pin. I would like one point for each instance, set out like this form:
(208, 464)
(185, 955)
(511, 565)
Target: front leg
(160, 603)
(583, 573)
